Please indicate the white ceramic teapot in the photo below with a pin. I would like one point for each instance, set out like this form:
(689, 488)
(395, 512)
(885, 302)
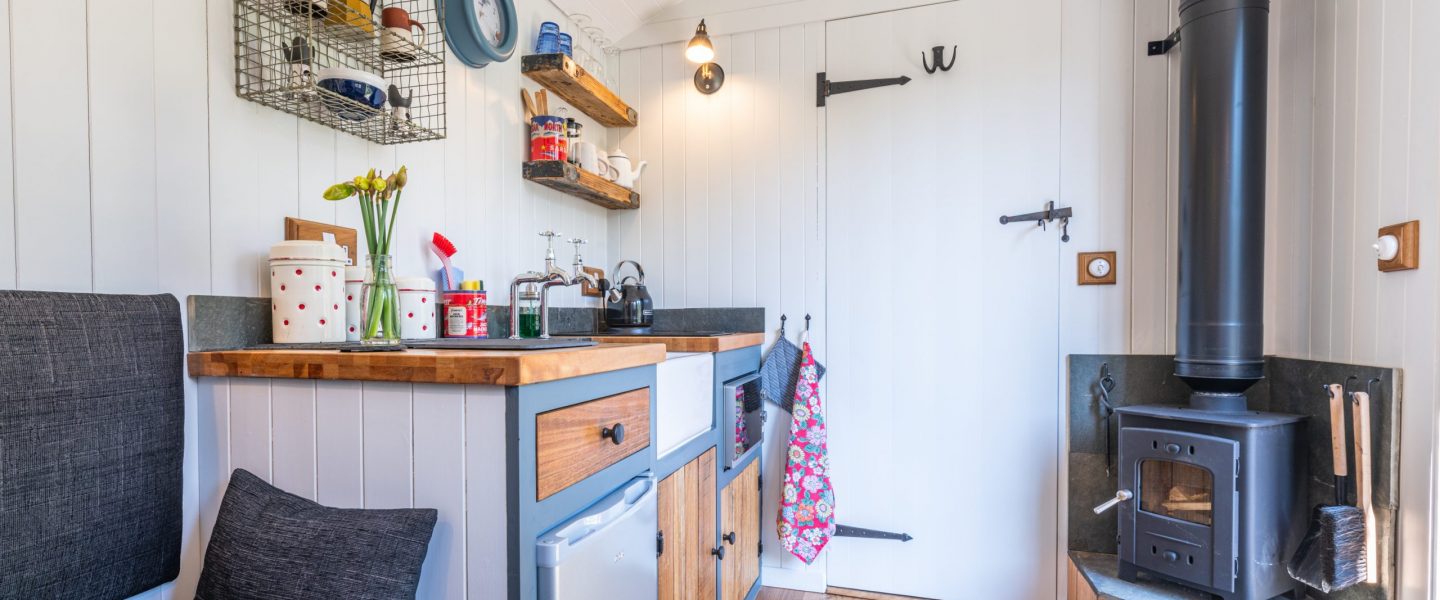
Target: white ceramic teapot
(621, 162)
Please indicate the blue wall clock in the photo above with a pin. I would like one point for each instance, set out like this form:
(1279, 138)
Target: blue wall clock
(480, 31)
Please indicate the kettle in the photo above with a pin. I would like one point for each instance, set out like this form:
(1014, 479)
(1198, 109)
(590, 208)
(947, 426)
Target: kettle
(628, 306)
(626, 177)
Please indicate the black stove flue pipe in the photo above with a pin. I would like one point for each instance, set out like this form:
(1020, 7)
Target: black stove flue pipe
(1220, 337)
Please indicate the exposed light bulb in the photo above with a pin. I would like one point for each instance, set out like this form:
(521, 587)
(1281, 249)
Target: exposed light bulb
(700, 53)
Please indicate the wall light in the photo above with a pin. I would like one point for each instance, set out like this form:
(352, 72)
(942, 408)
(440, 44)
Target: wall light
(700, 50)
(709, 77)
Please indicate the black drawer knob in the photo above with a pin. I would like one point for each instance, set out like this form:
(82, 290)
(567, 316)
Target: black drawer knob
(718, 551)
(729, 537)
(616, 433)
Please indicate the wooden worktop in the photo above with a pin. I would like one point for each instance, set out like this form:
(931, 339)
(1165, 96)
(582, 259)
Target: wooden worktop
(719, 343)
(489, 367)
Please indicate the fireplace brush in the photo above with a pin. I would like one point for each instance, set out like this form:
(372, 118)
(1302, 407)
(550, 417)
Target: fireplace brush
(1332, 555)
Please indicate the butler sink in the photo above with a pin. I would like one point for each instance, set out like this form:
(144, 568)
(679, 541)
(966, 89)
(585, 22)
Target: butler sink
(684, 399)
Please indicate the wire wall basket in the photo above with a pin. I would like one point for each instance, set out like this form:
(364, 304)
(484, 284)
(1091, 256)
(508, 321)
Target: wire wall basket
(335, 62)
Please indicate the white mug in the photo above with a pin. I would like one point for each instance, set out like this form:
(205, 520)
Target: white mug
(590, 159)
(585, 157)
(607, 171)
(398, 43)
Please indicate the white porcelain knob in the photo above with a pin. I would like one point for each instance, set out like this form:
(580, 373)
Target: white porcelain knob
(1387, 247)
(1098, 267)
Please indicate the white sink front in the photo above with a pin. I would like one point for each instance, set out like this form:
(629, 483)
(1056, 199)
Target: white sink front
(684, 399)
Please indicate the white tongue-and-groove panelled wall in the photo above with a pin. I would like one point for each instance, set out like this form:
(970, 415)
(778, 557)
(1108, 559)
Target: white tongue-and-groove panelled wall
(127, 165)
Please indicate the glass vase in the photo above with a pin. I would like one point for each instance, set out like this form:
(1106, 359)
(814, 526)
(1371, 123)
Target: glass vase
(379, 304)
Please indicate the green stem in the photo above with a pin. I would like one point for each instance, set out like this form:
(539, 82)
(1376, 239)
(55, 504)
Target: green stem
(367, 219)
(394, 216)
(379, 229)
(372, 323)
(373, 232)
(392, 324)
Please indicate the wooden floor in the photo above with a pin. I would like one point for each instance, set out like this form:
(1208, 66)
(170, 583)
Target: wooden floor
(784, 594)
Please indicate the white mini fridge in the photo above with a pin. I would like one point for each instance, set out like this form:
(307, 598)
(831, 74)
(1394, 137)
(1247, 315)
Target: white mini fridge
(608, 551)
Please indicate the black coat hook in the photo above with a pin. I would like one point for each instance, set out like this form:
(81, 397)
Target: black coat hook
(807, 321)
(939, 54)
(782, 324)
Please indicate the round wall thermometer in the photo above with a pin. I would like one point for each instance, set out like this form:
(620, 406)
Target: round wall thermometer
(1099, 268)
(480, 31)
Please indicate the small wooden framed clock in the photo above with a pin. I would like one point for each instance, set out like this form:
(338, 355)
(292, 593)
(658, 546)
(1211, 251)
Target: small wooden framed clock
(480, 31)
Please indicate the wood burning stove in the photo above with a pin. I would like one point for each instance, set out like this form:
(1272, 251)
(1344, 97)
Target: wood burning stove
(1211, 493)
(1217, 498)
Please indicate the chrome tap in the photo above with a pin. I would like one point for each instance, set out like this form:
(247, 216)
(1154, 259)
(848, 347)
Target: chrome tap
(581, 276)
(553, 275)
(557, 278)
(550, 268)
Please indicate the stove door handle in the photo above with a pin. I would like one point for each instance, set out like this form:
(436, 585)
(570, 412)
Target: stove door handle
(1120, 496)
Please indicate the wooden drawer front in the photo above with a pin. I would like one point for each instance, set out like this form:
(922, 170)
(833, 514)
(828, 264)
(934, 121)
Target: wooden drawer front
(569, 445)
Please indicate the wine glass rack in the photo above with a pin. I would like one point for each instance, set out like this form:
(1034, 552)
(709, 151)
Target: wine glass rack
(281, 46)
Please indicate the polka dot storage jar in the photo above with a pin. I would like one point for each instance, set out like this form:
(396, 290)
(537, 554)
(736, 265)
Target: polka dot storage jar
(417, 307)
(354, 282)
(307, 292)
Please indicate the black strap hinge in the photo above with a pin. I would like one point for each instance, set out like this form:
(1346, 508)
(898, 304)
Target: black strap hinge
(824, 88)
(1159, 47)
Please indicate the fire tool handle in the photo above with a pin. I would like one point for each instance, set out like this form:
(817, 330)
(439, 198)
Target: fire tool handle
(1362, 450)
(1362, 479)
(1120, 496)
(1337, 429)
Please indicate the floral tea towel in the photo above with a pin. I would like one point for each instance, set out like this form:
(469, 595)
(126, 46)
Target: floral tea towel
(807, 503)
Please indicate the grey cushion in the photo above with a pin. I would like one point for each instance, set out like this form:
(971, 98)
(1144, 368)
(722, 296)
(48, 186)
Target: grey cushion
(92, 436)
(278, 546)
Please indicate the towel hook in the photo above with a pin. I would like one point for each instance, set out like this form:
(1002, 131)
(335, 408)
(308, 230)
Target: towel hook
(1345, 387)
(939, 53)
(782, 324)
(807, 322)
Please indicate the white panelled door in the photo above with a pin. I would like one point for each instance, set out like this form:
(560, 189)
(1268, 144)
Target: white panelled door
(942, 322)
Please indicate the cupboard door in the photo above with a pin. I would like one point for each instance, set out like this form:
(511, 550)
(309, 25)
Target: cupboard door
(740, 532)
(704, 527)
(687, 522)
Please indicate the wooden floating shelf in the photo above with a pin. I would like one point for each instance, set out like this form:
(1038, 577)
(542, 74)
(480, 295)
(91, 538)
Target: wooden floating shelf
(567, 79)
(563, 176)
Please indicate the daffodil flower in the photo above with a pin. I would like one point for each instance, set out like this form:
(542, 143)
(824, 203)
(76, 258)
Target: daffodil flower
(339, 191)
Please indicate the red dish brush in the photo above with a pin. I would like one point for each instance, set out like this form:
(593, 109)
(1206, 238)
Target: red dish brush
(444, 249)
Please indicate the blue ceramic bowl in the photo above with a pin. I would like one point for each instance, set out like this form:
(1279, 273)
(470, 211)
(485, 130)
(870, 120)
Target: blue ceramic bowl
(354, 84)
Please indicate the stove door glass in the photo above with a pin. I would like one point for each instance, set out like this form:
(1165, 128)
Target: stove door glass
(1177, 490)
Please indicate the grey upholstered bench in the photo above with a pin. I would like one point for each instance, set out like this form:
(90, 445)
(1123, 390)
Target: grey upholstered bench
(92, 441)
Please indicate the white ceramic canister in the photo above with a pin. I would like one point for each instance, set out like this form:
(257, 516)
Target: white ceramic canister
(307, 289)
(354, 281)
(417, 307)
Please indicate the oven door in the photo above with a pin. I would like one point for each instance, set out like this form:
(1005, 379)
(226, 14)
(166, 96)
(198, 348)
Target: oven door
(1182, 521)
(742, 418)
